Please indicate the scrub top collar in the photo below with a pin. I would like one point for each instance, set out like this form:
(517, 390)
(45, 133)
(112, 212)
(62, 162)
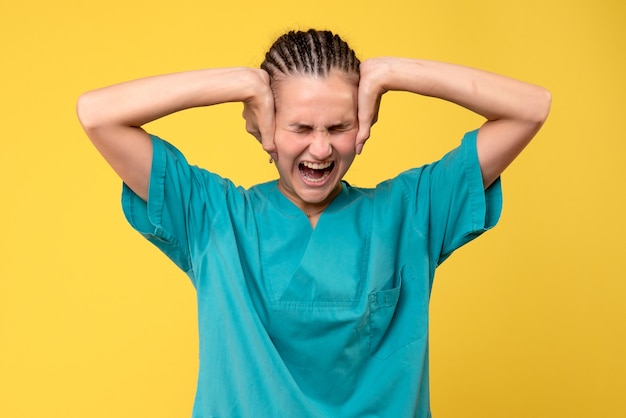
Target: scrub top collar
(288, 208)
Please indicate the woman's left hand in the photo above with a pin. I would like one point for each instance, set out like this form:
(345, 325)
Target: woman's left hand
(371, 89)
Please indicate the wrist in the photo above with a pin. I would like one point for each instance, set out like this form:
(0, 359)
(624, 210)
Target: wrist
(255, 83)
(376, 73)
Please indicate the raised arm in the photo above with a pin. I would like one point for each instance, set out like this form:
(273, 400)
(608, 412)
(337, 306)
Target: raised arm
(112, 116)
(514, 110)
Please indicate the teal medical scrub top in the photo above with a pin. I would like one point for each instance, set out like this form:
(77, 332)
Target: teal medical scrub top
(303, 322)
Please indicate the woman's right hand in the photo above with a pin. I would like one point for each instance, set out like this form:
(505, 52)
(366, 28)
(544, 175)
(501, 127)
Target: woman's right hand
(259, 112)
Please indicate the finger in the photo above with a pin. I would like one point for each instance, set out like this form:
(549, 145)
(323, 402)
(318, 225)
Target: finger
(366, 116)
(267, 125)
(266, 131)
(361, 137)
(368, 107)
(251, 127)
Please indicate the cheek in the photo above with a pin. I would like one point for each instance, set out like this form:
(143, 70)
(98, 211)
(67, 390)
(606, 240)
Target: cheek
(285, 143)
(288, 148)
(346, 144)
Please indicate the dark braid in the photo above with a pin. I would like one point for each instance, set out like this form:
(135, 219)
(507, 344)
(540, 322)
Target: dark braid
(304, 52)
(312, 52)
(330, 40)
(316, 45)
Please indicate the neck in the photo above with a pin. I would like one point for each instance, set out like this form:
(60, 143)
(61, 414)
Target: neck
(312, 210)
(314, 213)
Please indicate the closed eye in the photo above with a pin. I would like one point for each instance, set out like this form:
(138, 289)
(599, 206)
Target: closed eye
(342, 127)
(306, 129)
(300, 129)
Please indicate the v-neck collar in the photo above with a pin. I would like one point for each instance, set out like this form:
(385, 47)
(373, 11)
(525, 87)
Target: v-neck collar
(290, 210)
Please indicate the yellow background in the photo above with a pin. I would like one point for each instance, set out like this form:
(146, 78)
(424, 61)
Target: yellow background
(528, 321)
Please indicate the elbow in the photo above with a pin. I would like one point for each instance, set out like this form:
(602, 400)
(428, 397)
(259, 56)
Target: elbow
(542, 105)
(85, 112)
(93, 114)
(534, 110)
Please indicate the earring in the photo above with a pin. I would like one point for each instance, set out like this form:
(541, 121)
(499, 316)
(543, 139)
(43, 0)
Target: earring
(271, 160)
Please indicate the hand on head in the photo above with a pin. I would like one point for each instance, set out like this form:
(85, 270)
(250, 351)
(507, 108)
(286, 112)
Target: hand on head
(259, 113)
(259, 110)
(371, 89)
(315, 53)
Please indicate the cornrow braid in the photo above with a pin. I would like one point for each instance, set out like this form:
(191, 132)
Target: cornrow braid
(312, 52)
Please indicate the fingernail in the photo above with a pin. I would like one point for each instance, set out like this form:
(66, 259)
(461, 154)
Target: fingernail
(359, 148)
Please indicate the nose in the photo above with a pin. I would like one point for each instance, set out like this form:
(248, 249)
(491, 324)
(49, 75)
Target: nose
(320, 146)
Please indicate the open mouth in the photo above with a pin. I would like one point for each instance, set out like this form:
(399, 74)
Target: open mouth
(315, 172)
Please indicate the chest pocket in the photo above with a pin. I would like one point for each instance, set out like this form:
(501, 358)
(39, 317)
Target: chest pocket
(398, 316)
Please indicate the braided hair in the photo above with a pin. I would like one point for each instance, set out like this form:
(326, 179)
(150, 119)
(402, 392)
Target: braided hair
(312, 52)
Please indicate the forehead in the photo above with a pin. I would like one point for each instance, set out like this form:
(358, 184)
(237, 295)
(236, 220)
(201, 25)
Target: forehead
(310, 97)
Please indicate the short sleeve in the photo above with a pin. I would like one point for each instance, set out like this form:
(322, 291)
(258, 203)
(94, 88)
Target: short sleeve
(178, 201)
(460, 208)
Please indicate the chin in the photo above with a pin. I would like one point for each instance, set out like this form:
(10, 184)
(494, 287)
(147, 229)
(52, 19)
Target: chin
(319, 196)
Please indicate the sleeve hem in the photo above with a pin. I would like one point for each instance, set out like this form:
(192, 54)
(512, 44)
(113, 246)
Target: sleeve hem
(147, 217)
(135, 208)
(485, 204)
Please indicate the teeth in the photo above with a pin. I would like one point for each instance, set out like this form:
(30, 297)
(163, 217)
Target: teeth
(317, 180)
(316, 166)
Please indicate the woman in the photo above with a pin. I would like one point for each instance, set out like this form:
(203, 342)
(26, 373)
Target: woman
(312, 294)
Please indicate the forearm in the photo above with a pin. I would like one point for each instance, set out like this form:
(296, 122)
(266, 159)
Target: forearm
(491, 95)
(138, 102)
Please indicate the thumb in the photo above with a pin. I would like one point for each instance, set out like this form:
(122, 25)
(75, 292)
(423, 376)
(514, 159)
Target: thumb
(362, 136)
(267, 142)
(368, 105)
(269, 147)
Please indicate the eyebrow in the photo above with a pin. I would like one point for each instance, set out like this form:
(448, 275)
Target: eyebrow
(340, 125)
